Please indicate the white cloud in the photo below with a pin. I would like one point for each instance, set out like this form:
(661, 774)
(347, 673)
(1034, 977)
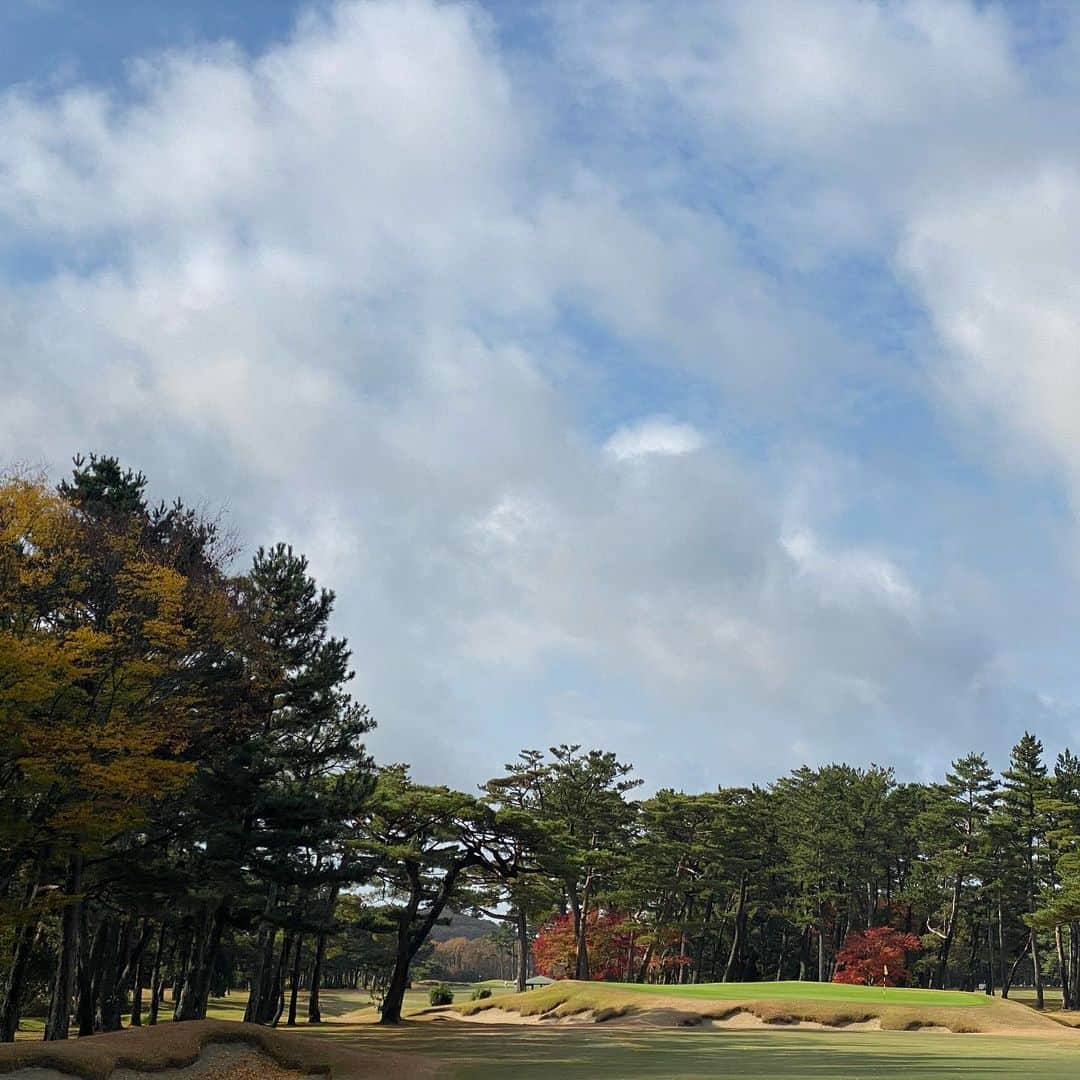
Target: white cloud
(1001, 281)
(653, 436)
(340, 285)
(849, 576)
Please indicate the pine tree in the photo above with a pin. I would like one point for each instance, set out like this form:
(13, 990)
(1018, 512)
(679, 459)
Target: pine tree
(1024, 826)
(957, 820)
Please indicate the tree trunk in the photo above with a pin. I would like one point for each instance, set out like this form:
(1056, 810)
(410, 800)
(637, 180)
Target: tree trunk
(950, 932)
(706, 922)
(409, 941)
(136, 994)
(1063, 966)
(204, 949)
(522, 924)
(264, 954)
(115, 960)
(821, 948)
(314, 1014)
(1038, 970)
(11, 1009)
(740, 928)
(156, 988)
(399, 981)
(58, 1022)
(89, 964)
(581, 923)
(1074, 965)
(1015, 965)
(972, 977)
(1005, 978)
(279, 980)
(182, 955)
(295, 980)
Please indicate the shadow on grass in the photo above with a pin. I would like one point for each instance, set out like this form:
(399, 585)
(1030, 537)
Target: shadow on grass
(685, 1055)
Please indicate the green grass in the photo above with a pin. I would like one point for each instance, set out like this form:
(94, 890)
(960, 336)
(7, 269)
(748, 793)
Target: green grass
(577, 1053)
(811, 991)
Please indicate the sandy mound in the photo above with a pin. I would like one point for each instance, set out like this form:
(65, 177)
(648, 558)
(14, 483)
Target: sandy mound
(571, 1002)
(218, 1061)
(204, 1050)
(222, 1061)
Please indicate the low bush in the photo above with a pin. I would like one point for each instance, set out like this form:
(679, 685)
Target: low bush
(480, 993)
(441, 995)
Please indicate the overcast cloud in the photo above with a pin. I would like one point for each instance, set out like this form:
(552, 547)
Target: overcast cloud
(703, 388)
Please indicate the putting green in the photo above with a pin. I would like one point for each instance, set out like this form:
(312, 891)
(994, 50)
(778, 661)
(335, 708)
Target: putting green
(812, 991)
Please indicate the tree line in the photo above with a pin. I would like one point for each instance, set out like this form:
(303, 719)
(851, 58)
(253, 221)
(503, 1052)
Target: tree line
(187, 808)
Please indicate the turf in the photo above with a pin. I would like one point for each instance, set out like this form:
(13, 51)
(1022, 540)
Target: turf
(472, 1054)
(813, 991)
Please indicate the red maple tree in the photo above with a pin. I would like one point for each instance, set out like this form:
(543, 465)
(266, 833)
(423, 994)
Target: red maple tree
(607, 937)
(617, 948)
(875, 957)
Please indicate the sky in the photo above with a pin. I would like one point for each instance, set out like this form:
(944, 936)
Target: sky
(695, 381)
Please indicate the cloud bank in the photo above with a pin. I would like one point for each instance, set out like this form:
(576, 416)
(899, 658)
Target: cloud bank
(697, 388)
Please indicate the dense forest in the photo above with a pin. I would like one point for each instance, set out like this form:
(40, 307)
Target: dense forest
(187, 809)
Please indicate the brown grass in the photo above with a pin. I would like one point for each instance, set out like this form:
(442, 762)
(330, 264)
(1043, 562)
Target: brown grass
(172, 1045)
(594, 1002)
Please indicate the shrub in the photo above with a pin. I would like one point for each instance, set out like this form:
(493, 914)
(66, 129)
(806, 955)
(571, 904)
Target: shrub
(480, 993)
(441, 995)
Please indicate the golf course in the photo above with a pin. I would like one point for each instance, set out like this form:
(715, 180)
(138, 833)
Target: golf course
(763, 1030)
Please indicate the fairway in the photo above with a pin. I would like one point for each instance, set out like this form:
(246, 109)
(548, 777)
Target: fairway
(812, 991)
(689, 1055)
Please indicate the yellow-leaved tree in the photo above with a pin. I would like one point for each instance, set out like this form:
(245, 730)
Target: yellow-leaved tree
(108, 613)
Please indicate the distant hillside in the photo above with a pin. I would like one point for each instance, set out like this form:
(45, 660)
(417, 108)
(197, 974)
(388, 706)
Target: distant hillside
(463, 926)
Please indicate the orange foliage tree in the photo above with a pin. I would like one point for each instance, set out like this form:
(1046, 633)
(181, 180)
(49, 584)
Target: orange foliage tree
(875, 957)
(608, 937)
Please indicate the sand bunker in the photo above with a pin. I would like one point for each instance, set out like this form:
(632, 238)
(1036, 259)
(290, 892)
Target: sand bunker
(672, 1017)
(505, 1016)
(744, 1020)
(737, 1020)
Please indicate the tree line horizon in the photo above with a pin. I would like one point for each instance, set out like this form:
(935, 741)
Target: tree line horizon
(187, 805)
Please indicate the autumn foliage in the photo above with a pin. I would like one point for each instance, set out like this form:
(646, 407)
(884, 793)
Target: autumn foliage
(617, 947)
(608, 938)
(875, 957)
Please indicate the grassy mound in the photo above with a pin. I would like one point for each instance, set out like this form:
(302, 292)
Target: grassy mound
(170, 1045)
(780, 1004)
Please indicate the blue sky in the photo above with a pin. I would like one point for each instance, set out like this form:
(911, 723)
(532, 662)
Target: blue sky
(701, 387)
